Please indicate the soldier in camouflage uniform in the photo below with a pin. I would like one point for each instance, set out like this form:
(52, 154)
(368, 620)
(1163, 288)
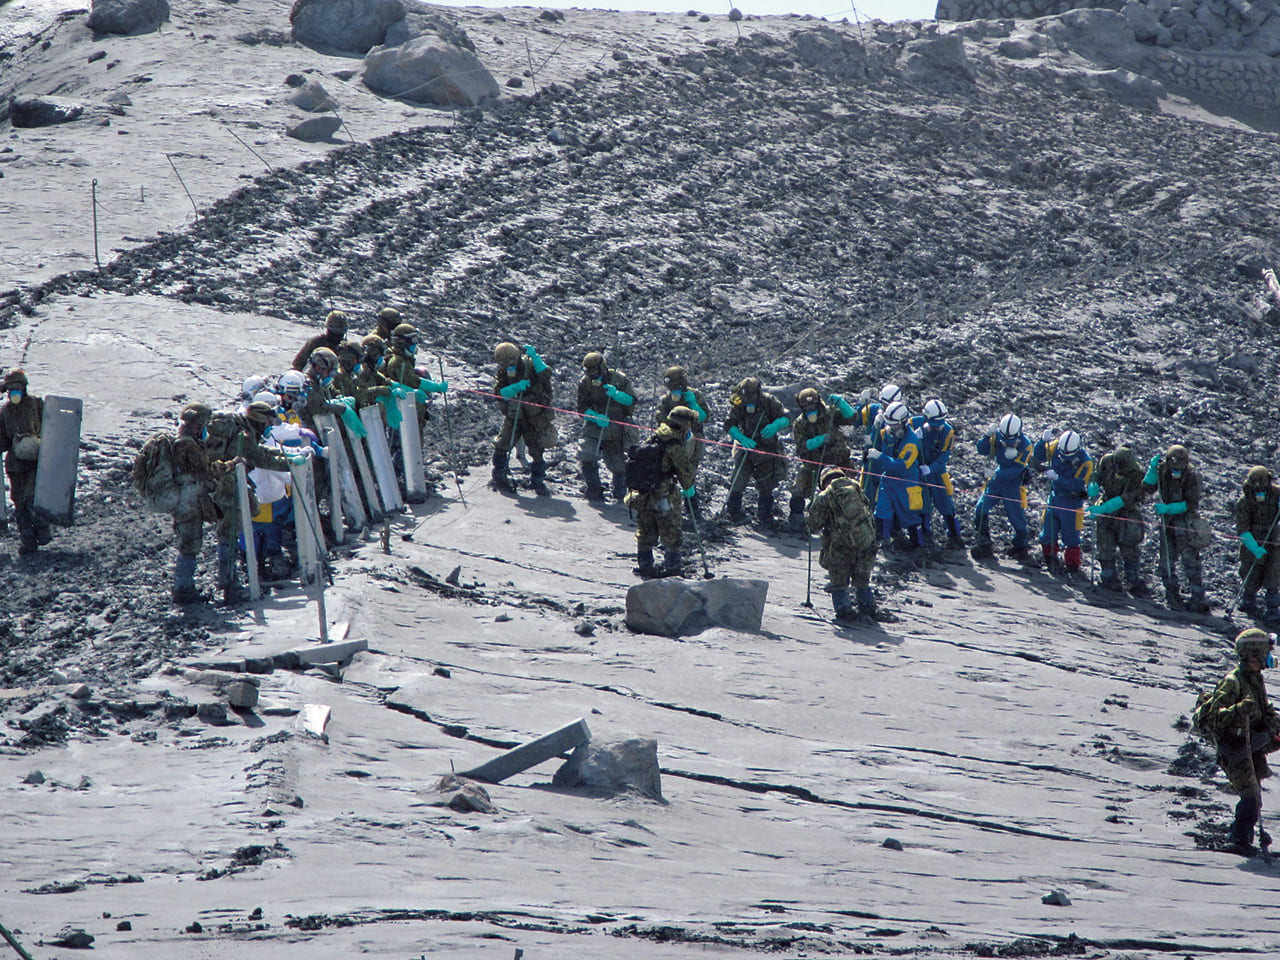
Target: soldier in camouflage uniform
(523, 381)
(370, 383)
(1256, 514)
(335, 329)
(388, 319)
(400, 369)
(1175, 478)
(605, 400)
(819, 443)
(1119, 519)
(659, 511)
(754, 422)
(191, 467)
(1246, 729)
(21, 420)
(842, 514)
(680, 394)
(233, 437)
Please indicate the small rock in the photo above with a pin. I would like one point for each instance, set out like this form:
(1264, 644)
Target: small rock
(194, 927)
(584, 628)
(257, 914)
(735, 14)
(514, 82)
(1056, 898)
(441, 672)
(462, 795)
(74, 938)
(295, 80)
(315, 129)
(34, 777)
(124, 925)
(79, 692)
(891, 844)
(502, 618)
(453, 576)
(212, 712)
(242, 694)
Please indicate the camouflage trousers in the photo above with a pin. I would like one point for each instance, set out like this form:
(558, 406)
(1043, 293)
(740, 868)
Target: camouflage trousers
(1263, 574)
(1175, 548)
(537, 432)
(609, 444)
(1121, 532)
(1245, 767)
(654, 524)
(846, 565)
(765, 469)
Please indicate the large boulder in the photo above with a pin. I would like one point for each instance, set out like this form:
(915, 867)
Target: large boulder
(349, 26)
(612, 767)
(315, 129)
(680, 608)
(127, 17)
(427, 69)
(419, 22)
(936, 59)
(44, 111)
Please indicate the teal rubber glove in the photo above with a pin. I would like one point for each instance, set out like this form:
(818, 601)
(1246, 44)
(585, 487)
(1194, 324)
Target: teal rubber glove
(771, 430)
(1248, 540)
(1094, 489)
(838, 401)
(1110, 506)
(355, 426)
(691, 401)
(1171, 509)
(431, 386)
(538, 363)
(599, 419)
(513, 390)
(392, 409)
(349, 401)
(690, 491)
(742, 438)
(617, 396)
(813, 443)
(399, 390)
(1153, 470)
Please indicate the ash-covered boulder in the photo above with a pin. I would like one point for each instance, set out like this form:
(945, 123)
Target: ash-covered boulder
(315, 129)
(349, 26)
(44, 111)
(460, 794)
(127, 17)
(936, 58)
(680, 608)
(607, 768)
(313, 98)
(428, 69)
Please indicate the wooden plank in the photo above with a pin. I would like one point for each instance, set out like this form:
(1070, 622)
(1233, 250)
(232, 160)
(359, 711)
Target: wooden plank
(532, 753)
(380, 457)
(55, 497)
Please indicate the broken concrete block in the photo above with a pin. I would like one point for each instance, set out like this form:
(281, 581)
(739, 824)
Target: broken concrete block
(532, 753)
(242, 694)
(609, 768)
(212, 712)
(35, 777)
(459, 794)
(320, 653)
(680, 608)
(1056, 898)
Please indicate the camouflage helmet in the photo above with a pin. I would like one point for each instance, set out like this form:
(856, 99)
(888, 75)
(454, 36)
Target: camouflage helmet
(749, 389)
(348, 348)
(1253, 640)
(259, 412)
(506, 353)
(1258, 478)
(404, 333)
(324, 359)
(675, 378)
(808, 398)
(390, 316)
(1177, 456)
(682, 415)
(336, 322)
(593, 361)
(15, 379)
(196, 413)
(373, 345)
(828, 475)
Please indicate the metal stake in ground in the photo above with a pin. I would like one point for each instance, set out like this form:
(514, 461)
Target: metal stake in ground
(706, 570)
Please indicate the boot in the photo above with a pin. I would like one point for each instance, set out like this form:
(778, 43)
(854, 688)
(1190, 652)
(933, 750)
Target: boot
(884, 530)
(1271, 616)
(1050, 553)
(1249, 603)
(918, 538)
(672, 564)
(1071, 561)
(538, 477)
(795, 522)
(591, 479)
(1240, 837)
(843, 605)
(43, 536)
(644, 563)
(866, 602)
(228, 581)
(1197, 602)
(764, 509)
(734, 508)
(1133, 581)
(1107, 580)
(499, 479)
(184, 580)
(983, 549)
(619, 486)
(954, 539)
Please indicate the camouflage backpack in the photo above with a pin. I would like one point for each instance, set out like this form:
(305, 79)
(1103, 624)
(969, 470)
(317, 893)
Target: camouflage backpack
(1201, 719)
(856, 509)
(154, 476)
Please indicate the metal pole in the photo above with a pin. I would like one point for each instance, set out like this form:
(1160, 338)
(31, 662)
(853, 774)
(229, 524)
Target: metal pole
(9, 938)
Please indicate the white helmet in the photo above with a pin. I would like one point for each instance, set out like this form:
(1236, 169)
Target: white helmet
(266, 396)
(292, 382)
(1010, 425)
(252, 385)
(890, 393)
(1069, 442)
(896, 414)
(935, 409)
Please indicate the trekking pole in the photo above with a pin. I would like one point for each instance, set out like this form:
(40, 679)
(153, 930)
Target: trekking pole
(1244, 581)
(706, 570)
(746, 454)
(808, 538)
(9, 939)
(448, 425)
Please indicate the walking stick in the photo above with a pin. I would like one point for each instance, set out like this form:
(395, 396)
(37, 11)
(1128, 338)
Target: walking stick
(808, 538)
(448, 425)
(706, 570)
(1244, 581)
(9, 939)
(733, 479)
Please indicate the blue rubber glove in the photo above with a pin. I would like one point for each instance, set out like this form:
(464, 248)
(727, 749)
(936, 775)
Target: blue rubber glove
(838, 401)
(690, 491)
(742, 438)
(430, 386)
(617, 396)
(1171, 509)
(771, 430)
(538, 363)
(813, 443)
(1248, 540)
(691, 401)
(1110, 506)
(513, 390)
(599, 419)
(1153, 470)
(1094, 489)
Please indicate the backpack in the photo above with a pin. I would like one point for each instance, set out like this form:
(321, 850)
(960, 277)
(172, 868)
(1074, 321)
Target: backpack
(856, 510)
(643, 470)
(154, 476)
(1200, 718)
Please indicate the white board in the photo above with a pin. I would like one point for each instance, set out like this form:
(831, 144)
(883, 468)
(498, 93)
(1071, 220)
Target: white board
(246, 530)
(351, 503)
(415, 480)
(55, 498)
(306, 521)
(380, 458)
